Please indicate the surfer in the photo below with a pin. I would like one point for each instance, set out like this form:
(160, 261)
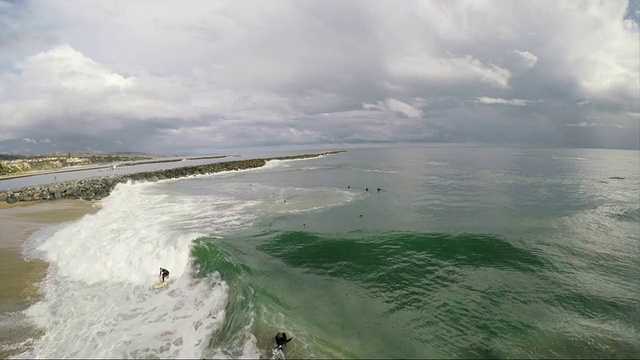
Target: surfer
(164, 273)
(281, 339)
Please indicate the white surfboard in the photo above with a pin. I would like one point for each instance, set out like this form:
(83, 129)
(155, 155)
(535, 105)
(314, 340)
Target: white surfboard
(278, 354)
(160, 284)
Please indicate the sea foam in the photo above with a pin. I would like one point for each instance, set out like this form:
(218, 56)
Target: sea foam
(97, 296)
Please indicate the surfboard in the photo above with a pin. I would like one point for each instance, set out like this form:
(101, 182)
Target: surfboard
(278, 354)
(160, 284)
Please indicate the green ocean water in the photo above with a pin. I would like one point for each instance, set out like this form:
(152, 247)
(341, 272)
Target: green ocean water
(463, 253)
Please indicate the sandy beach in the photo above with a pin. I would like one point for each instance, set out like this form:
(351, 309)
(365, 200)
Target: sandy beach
(19, 278)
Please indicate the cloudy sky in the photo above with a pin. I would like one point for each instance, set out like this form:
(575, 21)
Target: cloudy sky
(207, 76)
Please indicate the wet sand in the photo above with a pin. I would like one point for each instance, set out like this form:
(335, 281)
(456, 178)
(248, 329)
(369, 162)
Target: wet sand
(19, 277)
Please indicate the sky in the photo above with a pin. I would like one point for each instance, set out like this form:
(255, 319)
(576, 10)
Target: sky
(204, 77)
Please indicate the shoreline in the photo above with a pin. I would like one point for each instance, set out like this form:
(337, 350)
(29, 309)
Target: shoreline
(19, 288)
(6, 205)
(99, 187)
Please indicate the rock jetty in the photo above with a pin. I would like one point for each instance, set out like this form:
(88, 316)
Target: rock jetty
(97, 188)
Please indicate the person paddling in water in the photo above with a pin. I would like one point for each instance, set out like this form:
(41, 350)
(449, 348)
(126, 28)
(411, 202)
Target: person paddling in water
(281, 340)
(164, 274)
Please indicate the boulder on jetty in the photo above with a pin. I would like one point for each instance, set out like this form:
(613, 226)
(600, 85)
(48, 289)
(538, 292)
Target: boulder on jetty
(97, 188)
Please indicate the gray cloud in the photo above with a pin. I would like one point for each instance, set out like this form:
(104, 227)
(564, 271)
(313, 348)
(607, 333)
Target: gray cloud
(206, 76)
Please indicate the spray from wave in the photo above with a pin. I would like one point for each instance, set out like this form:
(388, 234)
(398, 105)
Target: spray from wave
(97, 296)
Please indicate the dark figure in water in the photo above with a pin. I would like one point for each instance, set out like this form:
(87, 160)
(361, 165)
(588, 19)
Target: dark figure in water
(164, 273)
(281, 339)
(378, 189)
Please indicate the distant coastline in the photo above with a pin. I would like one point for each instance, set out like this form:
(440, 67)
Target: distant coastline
(103, 166)
(99, 187)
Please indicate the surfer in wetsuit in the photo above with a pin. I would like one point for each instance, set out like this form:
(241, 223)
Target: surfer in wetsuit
(281, 339)
(164, 273)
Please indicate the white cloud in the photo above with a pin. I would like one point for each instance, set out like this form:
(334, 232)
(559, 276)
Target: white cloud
(513, 102)
(604, 57)
(528, 59)
(29, 141)
(70, 70)
(62, 86)
(403, 108)
(396, 106)
(464, 68)
(584, 124)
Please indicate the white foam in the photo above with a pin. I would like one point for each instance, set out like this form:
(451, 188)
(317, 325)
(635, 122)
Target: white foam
(116, 321)
(375, 170)
(275, 163)
(243, 345)
(568, 158)
(125, 242)
(16, 346)
(266, 199)
(97, 297)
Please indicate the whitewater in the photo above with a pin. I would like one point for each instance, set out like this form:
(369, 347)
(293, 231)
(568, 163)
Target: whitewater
(98, 301)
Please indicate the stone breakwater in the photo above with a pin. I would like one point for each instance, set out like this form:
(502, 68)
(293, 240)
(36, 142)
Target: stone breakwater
(97, 188)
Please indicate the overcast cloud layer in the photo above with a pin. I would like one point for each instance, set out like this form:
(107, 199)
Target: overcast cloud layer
(205, 76)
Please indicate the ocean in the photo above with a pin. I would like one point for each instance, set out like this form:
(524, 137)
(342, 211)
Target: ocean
(423, 252)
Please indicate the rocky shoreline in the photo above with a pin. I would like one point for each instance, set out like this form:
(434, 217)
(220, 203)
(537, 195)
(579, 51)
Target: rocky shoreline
(97, 188)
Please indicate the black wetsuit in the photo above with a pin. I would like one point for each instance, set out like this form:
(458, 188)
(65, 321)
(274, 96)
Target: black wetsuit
(280, 341)
(164, 273)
